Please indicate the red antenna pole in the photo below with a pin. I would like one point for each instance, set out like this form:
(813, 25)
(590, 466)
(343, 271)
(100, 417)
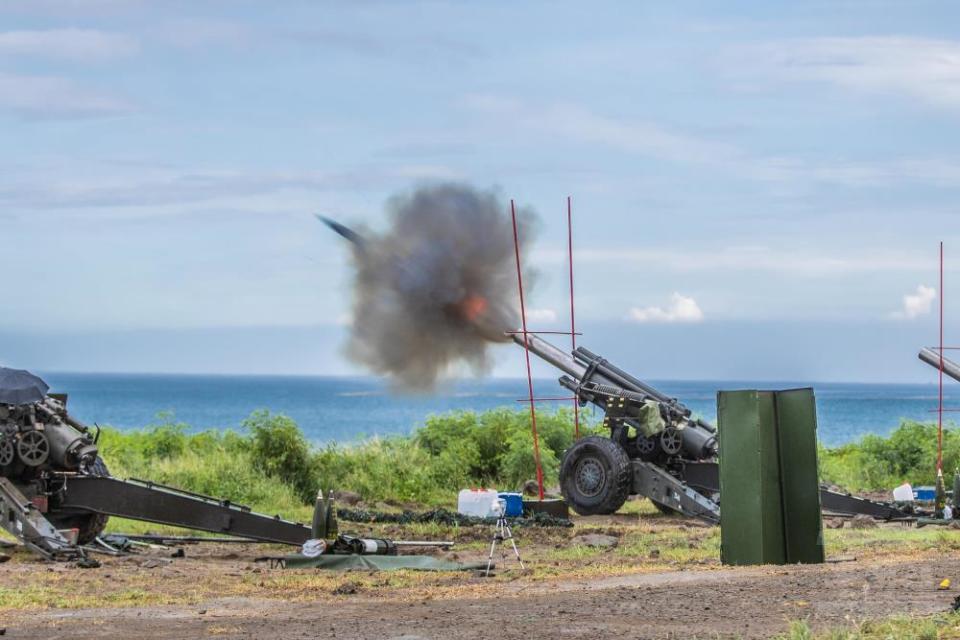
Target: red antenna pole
(573, 324)
(940, 394)
(526, 350)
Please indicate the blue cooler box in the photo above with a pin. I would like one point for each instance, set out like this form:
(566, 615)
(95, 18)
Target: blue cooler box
(514, 504)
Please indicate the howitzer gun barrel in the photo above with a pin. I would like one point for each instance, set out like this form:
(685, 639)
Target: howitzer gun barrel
(602, 390)
(932, 358)
(618, 375)
(76, 424)
(52, 408)
(594, 379)
(623, 379)
(71, 445)
(557, 357)
(698, 443)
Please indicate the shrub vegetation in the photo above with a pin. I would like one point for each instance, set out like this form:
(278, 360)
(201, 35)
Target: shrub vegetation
(877, 463)
(270, 465)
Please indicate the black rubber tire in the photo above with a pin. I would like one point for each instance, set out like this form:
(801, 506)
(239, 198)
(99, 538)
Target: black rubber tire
(89, 525)
(595, 476)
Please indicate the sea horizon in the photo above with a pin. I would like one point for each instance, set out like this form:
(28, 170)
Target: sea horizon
(332, 408)
(495, 377)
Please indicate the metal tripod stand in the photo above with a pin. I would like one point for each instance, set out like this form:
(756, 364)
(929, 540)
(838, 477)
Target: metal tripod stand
(501, 534)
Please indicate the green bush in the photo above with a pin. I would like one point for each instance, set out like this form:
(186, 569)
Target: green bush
(877, 463)
(496, 446)
(271, 466)
(518, 462)
(211, 462)
(231, 475)
(280, 450)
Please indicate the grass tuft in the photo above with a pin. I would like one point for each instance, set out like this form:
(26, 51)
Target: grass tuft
(937, 627)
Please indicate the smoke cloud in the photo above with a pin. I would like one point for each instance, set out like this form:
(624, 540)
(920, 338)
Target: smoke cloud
(437, 287)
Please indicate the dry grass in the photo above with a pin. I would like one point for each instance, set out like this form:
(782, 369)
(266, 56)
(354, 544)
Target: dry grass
(938, 627)
(647, 542)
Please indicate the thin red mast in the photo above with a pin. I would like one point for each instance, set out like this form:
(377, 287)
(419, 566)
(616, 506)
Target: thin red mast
(526, 351)
(573, 324)
(940, 394)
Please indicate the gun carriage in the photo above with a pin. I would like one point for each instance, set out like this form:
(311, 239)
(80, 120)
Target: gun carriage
(656, 447)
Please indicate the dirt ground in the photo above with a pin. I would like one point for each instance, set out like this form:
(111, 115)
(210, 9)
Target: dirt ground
(661, 580)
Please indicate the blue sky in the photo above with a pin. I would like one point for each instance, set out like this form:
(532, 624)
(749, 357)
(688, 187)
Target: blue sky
(759, 187)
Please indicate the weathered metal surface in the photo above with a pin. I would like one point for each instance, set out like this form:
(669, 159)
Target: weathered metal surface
(661, 487)
(751, 528)
(768, 477)
(704, 476)
(796, 424)
(151, 502)
(597, 381)
(21, 518)
(555, 508)
(685, 448)
(47, 457)
(932, 358)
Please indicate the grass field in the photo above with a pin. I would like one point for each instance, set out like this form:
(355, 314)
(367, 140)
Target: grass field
(646, 542)
(272, 468)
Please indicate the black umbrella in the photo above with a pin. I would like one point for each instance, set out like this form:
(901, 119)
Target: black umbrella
(21, 387)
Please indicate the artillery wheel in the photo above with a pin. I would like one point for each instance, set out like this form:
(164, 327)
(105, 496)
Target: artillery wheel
(88, 525)
(646, 446)
(595, 476)
(7, 451)
(34, 448)
(671, 440)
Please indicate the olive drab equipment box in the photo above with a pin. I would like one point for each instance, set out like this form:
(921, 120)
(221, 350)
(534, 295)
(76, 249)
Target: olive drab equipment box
(770, 511)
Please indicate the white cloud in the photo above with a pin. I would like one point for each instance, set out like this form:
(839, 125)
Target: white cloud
(681, 309)
(918, 303)
(70, 44)
(924, 69)
(54, 97)
(541, 315)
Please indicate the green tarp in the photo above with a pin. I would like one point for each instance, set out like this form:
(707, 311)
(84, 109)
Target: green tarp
(650, 419)
(348, 562)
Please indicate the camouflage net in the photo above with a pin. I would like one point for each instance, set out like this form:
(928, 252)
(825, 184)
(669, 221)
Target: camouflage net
(449, 518)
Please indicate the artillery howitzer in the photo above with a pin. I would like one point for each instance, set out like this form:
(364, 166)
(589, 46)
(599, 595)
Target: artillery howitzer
(52, 481)
(56, 492)
(656, 447)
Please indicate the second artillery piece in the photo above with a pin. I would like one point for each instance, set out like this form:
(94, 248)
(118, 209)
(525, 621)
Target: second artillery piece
(56, 493)
(656, 448)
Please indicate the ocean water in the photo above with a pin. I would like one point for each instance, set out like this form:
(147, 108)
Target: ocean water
(346, 409)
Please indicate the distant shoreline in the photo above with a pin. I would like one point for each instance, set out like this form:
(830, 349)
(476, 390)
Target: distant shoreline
(740, 383)
(346, 408)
